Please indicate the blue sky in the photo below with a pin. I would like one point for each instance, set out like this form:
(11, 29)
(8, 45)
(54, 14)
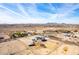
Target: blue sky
(15, 13)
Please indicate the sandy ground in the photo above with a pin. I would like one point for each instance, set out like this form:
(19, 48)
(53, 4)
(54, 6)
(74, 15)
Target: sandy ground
(53, 47)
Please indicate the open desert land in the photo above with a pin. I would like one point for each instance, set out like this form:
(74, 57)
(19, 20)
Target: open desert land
(39, 39)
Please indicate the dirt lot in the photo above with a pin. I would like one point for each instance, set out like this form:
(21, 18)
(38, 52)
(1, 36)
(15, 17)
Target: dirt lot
(62, 41)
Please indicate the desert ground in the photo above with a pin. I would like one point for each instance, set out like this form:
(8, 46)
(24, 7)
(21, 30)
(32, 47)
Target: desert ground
(46, 39)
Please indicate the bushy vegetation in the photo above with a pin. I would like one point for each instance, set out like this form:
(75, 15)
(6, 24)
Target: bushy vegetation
(63, 31)
(18, 34)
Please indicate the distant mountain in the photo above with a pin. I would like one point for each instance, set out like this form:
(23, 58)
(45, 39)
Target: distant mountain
(47, 25)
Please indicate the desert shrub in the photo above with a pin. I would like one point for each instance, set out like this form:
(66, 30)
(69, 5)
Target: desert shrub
(64, 31)
(18, 34)
(34, 33)
(65, 49)
(75, 30)
(1, 37)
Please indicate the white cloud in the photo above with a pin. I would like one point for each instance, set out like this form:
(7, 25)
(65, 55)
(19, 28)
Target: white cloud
(5, 17)
(32, 15)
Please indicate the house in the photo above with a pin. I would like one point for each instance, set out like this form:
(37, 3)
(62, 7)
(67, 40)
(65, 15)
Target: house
(38, 38)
